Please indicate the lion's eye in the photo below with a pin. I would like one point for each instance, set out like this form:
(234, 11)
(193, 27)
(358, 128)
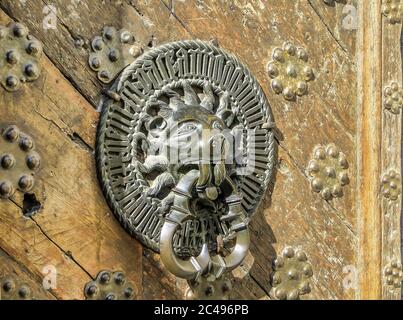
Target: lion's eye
(187, 128)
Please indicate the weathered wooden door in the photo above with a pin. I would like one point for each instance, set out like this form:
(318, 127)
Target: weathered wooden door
(329, 224)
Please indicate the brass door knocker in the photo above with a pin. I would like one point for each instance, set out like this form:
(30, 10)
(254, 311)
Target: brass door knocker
(185, 152)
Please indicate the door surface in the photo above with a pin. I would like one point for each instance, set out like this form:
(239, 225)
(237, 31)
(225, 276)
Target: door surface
(331, 213)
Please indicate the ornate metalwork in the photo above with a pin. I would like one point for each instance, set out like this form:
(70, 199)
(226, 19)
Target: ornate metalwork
(209, 288)
(290, 71)
(109, 286)
(391, 185)
(112, 52)
(168, 160)
(291, 275)
(393, 274)
(18, 161)
(393, 10)
(328, 171)
(13, 289)
(20, 53)
(393, 100)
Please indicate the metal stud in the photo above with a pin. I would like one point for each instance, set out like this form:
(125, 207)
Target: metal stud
(290, 278)
(109, 285)
(393, 274)
(391, 185)
(327, 171)
(112, 52)
(393, 98)
(393, 11)
(13, 289)
(21, 53)
(289, 71)
(18, 162)
(209, 288)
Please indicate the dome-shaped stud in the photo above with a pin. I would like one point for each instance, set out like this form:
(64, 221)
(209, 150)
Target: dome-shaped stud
(326, 194)
(12, 57)
(293, 295)
(305, 287)
(8, 286)
(333, 152)
(288, 252)
(114, 55)
(290, 49)
(110, 296)
(302, 54)
(330, 172)
(317, 185)
(226, 287)
(105, 277)
(278, 55)
(308, 72)
(292, 274)
(278, 263)
(25, 183)
(7, 161)
(337, 191)
(126, 37)
(277, 86)
(313, 167)
(308, 270)
(11, 134)
(12, 82)
(301, 256)
(95, 63)
(33, 162)
(302, 88)
(344, 179)
(209, 291)
(320, 154)
(26, 143)
(289, 93)
(97, 44)
(120, 278)
(104, 75)
(31, 70)
(19, 30)
(128, 293)
(6, 189)
(281, 294)
(276, 279)
(92, 290)
(189, 295)
(291, 71)
(34, 48)
(24, 292)
(109, 33)
(272, 70)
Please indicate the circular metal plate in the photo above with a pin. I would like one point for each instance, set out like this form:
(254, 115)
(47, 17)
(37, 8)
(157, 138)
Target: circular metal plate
(188, 76)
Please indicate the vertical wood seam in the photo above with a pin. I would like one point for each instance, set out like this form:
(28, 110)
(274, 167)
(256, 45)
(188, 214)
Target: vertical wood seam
(369, 120)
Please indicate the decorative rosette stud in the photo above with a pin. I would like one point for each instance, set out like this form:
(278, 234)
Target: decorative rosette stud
(290, 71)
(393, 98)
(391, 185)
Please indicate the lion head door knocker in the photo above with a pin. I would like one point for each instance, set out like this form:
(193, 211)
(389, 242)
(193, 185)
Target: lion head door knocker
(185, 152)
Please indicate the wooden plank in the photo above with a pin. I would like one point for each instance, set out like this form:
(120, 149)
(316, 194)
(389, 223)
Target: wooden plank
(11, 269)
(80, 238)
(340, 18)
(368, 149)
(391, 154)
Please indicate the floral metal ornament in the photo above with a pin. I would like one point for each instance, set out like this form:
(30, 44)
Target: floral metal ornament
(290, 71)
(112, 52)
(185, 152)
(393, 100)
(391, 185)
(393, 10)
(393, 274)
(328, 171)
(109, 286)
(209, 288)
(13, 289)
(18, 161)
(20, 53)
(291, 275)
